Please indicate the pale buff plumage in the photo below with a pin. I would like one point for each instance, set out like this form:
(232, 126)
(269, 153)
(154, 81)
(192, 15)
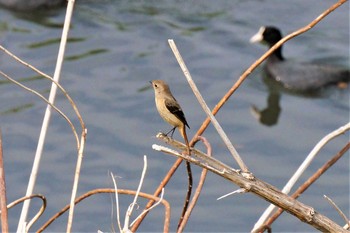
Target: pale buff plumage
(169, 109)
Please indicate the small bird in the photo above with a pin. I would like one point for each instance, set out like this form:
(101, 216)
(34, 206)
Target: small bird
(169, 109)
(297, 76)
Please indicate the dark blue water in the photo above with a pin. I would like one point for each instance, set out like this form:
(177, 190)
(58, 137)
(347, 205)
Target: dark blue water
(115, 48)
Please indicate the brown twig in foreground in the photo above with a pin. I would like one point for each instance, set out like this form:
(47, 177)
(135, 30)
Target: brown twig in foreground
(188, 193)
(3, 200)
(120, 191)
(198, 189)
(40, 212)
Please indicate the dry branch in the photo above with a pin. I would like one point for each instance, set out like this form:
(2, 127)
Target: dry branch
(264, 190)
(40, 212)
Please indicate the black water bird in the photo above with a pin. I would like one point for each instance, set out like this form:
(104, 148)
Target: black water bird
(297, 76)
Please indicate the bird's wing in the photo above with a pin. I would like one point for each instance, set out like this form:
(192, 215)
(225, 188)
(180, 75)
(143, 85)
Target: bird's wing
(175, 109)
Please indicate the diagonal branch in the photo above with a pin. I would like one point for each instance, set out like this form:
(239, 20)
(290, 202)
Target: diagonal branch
(205, 107)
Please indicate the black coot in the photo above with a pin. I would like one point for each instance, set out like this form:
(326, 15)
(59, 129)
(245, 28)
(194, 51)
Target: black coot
(293, 75)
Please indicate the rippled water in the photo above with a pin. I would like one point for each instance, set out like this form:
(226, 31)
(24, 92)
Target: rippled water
(115, 48)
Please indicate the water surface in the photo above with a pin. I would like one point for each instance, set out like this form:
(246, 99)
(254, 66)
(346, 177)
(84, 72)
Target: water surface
(115, 48)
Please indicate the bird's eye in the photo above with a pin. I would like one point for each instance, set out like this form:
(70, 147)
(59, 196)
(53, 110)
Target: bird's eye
(155, 85)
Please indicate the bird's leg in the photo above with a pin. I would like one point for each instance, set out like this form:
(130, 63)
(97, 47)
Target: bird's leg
(172, 132)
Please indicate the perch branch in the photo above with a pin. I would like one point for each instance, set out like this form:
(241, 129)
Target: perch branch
(264, 190)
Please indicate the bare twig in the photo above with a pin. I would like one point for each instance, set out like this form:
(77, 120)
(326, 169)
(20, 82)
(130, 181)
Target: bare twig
(337, 209)
(76, 179)
(40, 212)
(120, 191)
(198, 189)
(117, 202)
(156, 193)
(166, 225)
(74, 106)
(3, 199)
(188, 193)
(240, 190)
(301, 169)
(46, 101)
(131, 207)
(310, 181)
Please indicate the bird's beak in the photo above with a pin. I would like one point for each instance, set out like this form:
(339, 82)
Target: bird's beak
(150, 82)
(258, 37)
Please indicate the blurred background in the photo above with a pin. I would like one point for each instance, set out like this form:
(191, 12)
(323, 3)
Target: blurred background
(115, 48)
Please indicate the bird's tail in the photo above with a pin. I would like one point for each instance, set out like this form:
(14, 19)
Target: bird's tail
(182, 130)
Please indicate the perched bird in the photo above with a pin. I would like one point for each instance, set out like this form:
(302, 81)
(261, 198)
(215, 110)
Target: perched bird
(169, 109)
(297, 76)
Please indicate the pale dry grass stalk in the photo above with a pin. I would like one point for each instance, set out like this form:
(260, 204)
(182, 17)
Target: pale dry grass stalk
(129, 212)
(341, 213)
(205, 107)
(21, 225)
(156, 193)
(126, 226)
